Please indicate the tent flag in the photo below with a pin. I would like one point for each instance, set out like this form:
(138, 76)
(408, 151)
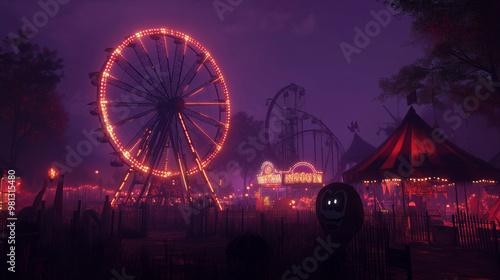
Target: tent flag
(411, 98)
(445, 195)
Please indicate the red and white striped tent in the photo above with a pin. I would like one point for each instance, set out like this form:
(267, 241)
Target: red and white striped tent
(418, 151)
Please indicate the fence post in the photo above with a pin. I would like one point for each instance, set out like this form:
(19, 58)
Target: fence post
(242, 219)
(262, 223)
(393, 223)
(191, 223)
(73, 225)
(216, 213)
(144, 219)
(227, 223)
(282, 228)
(112, 220)
(409, 271)
(427, 220)
(119, 222)
(495, 240)
(207, 212)
(454, 230)
(79, 209)
(282, 234)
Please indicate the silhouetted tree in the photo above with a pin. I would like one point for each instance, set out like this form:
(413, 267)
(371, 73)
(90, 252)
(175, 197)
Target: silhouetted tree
(462, 51)
(30, 108)
(244, 146)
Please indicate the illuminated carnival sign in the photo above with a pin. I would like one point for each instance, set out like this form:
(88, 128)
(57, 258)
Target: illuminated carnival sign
(300, 173)
(303, 173)
(268, 175)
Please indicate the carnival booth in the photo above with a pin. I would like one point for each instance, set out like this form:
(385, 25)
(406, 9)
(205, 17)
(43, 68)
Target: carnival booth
(294, 188)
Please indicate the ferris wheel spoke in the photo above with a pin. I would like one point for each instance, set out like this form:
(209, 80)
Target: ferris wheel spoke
(202, 131)
(163, 61)
(145, 59)
(167, 152)
(279, 107)
(128, 104)
(131, 89)
(159, 130)
(205, 103)
(136, 75)
(159, 144)
(134, 117)
(204, 118)
(213, 80)
(179, 161)
(199, 162)
(141, 133)
(195, 68)
(180, 52)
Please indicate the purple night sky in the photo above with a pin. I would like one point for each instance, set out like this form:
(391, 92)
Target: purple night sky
(260, 46)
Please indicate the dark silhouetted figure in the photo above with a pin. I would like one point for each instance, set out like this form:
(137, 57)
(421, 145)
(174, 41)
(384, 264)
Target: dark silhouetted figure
(247, 257)
(340, 213)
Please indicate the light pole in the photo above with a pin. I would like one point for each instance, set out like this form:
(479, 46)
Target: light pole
(98, 185)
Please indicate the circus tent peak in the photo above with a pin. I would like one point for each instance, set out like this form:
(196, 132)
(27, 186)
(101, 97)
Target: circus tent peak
(416, 150)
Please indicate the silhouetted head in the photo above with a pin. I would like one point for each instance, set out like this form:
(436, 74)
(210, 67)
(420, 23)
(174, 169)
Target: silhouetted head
(247, 257)
(340, 211)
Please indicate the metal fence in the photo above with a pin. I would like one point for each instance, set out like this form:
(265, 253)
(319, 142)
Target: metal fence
(473, 233)
(368, 254)
(403, 227)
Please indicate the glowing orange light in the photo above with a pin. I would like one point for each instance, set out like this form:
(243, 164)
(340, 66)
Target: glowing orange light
(52, 174)
(96, 172)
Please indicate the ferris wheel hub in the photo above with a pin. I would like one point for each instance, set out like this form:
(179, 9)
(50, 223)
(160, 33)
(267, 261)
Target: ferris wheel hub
(178, 103)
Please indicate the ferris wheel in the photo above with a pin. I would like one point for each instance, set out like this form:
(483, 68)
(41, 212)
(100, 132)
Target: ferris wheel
(163, 106)
(296, 135)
